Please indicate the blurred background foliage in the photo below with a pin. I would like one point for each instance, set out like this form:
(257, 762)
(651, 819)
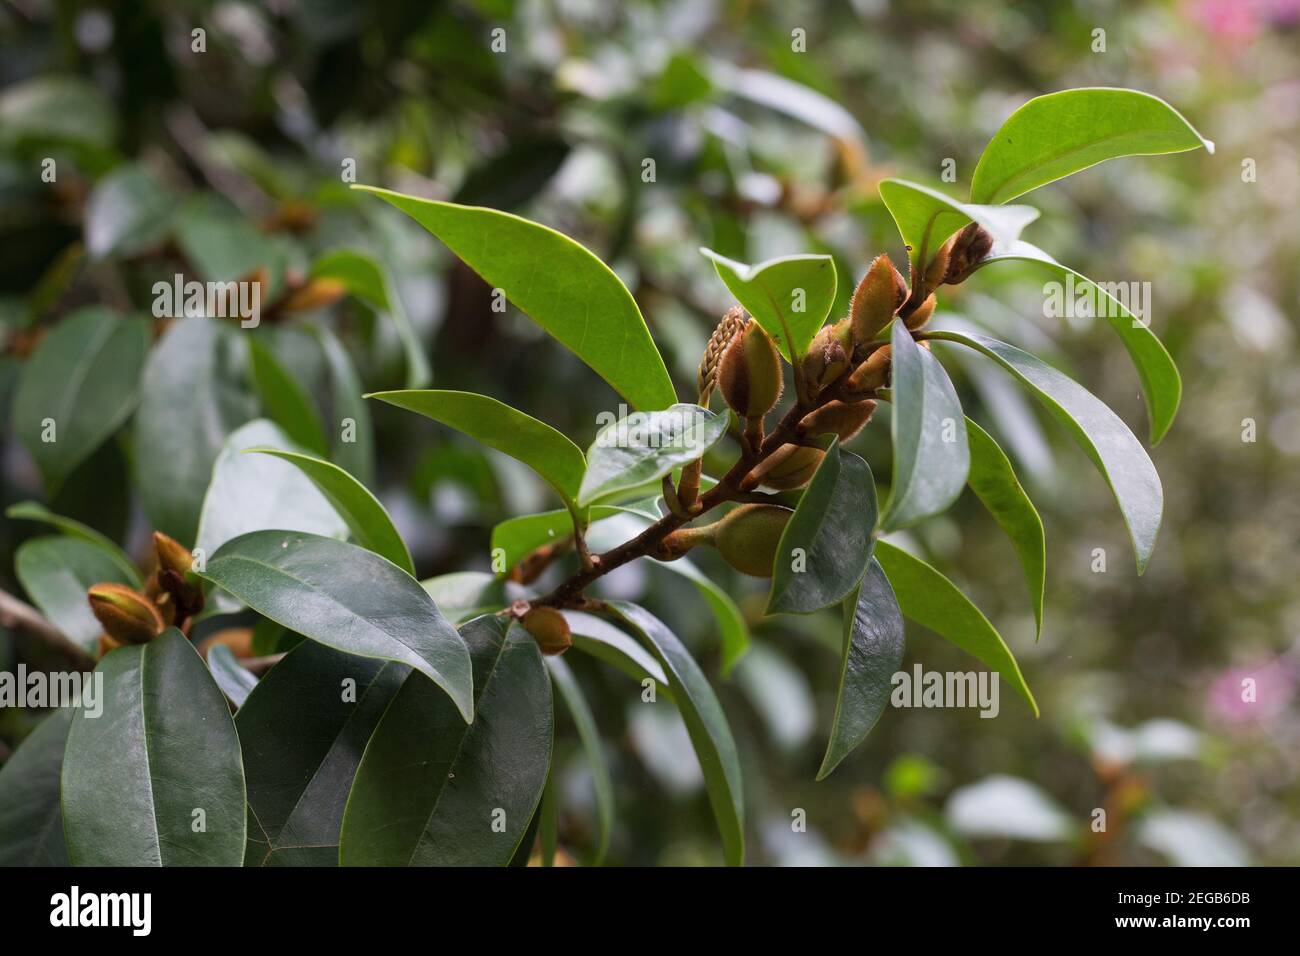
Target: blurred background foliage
(769, 125)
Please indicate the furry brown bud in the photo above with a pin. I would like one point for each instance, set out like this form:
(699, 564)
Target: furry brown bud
(549, 628)
(749, 374)
(174, 579)
(748, 537)
(828, 357)
(970, 247)
(127, 615)
(315, 294)
(840, 418)
(871, 375)
(922, 315)
(878, 296)
(790, 466)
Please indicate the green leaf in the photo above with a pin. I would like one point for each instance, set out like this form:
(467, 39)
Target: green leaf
(508, 430)
(235, 680)
(516, 537)
(931, 453)
(831, 528)
(642, 447)
(585, 721)
(926, 218)
(462, 595)
(357, 455)
(284, 401)
(303, 729)
(1053, 136)
(366, 518)
(127, 212)
(348, 598)
(872, 654)
(790, 296)
(559, 284)
(994, 480)
(548, 825)
(256, 493)
(931, 600)
(1117, 454)
(705, 722)
(603, 641)
(164, 748)
(33, 511)
(367, 279)
(1162, 386)
(31, 820)
(430, 788)
(191, 399)
(79, 386)
(55, 573)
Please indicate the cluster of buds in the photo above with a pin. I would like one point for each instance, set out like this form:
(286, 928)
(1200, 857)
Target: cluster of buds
(172, 596)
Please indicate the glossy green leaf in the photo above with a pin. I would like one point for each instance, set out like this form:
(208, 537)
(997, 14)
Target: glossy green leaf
(1162, 386)
(994, 480)
(33, 511)
(367, 279)
(55, 572)
(369, 523)
(931, 600)
(303, 730)
(508, 430)
(258, 492)
(1119, 456)
(1055, 135)
(705, 722)
(790, 297)
(157, 778)
(348, 598)
(926, 218)
(430, 788)
(128, 211)
(353, 444)
(872, 654)
(642, 447)
(585, 721)
(31, 820)
(462, 595)
(235, 680)
(514, 538)
(931, 453)
(605, 642)
(826, 544)
(191, 399)
(78, 387)
(559, 284)
(284, 401)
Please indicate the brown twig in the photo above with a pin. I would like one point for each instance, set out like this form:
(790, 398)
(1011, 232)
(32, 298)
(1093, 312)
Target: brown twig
(18, 614)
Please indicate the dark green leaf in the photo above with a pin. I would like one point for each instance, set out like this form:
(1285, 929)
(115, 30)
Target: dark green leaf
(462, 595)
(642, 447)
(55, 573)
(353, 446)
(31, 820)
(603, 641)
(585, 721)
(127, 212)
(284, 401)
(32, 511)
(790, 297)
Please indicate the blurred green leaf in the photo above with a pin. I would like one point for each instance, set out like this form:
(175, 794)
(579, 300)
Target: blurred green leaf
(585, 722)
(128, 212)
(462, 595)
(603, 641)
(284, 401)
(56, 572)
(234, 680)
(32, 511)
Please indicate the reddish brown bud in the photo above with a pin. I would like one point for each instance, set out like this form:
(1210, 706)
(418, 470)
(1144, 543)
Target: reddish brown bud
(841, 418)
(922, 315)
(871, 375)
(549, 629)
(127, 615)
(828, 357)
(314, 295)
(878, 296)
(969, 248)
(175, 579)
(790, 466)
(749, 374)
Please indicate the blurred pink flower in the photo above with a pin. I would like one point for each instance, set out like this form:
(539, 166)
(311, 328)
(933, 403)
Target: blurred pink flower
(1232, 698)
(1239, 21)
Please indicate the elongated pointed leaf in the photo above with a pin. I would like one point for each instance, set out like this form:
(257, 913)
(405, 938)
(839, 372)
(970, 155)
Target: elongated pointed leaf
(31, 820)
(365, 517)
(432, 791)
(1117, 454)
(790, 297)
(559, 284)
(303, 730)
(235, 680)
(705, 722)
(156, 779)
(930, 599)
(644, 446)
(256, 492)
(872, 654)
(1162, 386)
(826, 544)
(33, 511)
(347, 598)
(78, 387)
(462, 595)
(603, 641)
(585, 721)
(284, 401)
(55, 572)
(931, 452)
(191, 400)
(353, 443)
(994, 480)
(926, 218)
(497, 425)
(1055, 135)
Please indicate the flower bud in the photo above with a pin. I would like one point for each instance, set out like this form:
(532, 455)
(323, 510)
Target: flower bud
(938, 267)
(747, 538)
(876, 299)
(127, 615)
(172, 555)
(828, 356)
(922, 315)
(549, 629)
(175, 579)
(970, 247)
(844, 419)
(749, 374)
(314, 295)
(790, 466)
(871, 375)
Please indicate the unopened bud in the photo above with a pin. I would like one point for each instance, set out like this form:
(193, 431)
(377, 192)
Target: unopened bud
(789, 467)
(969, 248)
(314, 295)
(938, 267)
(175, 579)
(748, 537)
(549, 629)
(127, 615)
(828, 356)
(844, 419)
(172, 555)
(878, 296)
(922, 315)
(750, 372)
(871, 375)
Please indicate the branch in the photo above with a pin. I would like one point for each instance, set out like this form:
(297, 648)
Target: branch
(20, 615)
